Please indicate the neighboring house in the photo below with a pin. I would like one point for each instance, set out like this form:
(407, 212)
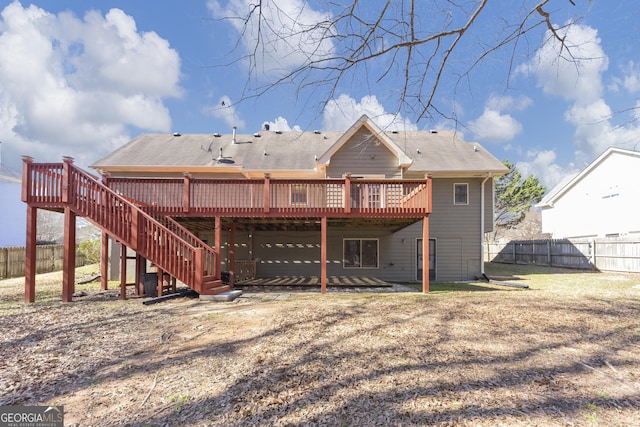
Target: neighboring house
(12, 218)
(600, 201)
(364, 202)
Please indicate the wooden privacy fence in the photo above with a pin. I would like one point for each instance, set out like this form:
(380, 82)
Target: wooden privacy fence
(601, 254)
(48, 258)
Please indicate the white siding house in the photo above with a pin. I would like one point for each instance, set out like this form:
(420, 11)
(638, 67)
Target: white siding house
(601, 201)
(13, 213)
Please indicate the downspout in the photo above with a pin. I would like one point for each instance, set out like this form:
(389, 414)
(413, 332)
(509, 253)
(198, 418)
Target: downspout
(489, 176)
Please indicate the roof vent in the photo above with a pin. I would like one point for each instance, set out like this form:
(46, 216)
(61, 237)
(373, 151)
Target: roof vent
(257, 135)
(216, 135)
(394, 131)
(433, 131)
(279, 132)
(177, 134)
(266, 126)
(233, 141)
(317, 132)
(222, 159)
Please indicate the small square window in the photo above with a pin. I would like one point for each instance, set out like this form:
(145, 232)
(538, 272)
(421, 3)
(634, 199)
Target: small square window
(461, 194)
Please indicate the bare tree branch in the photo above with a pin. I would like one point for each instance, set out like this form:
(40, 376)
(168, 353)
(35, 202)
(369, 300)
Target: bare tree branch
(394, 39)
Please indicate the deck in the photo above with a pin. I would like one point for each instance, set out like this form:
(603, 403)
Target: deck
(302, 283)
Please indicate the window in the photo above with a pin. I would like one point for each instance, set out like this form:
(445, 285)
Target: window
(461, 194)
(360, 253)
(298, 194)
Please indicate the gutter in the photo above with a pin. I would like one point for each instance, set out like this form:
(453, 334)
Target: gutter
(482, 233)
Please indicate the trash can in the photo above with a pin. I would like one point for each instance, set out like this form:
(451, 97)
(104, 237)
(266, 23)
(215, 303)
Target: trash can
(151, 284)
(224, 277)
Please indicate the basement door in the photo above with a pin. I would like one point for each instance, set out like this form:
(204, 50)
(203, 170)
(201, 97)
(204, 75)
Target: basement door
(432, 259)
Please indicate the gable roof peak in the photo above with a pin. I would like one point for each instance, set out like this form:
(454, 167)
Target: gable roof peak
(365, 122)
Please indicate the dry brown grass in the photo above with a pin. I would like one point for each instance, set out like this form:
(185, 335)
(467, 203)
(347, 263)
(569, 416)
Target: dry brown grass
(564, 352)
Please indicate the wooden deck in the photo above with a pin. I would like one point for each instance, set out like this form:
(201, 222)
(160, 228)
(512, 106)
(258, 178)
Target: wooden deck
(312, 282)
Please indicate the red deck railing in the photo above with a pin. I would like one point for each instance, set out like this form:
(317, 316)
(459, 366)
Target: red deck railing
(278, 198)
(63, 185)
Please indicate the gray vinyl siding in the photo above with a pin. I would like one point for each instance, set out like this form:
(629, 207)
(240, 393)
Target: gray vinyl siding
(364, 154)
(456, 229)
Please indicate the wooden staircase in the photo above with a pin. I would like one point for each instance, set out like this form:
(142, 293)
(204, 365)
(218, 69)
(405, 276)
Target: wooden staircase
(165, 243)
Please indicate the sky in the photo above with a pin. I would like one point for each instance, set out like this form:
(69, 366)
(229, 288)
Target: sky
(81, 78)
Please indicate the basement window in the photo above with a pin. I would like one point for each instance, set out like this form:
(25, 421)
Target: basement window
(461, 194)
(360, 253)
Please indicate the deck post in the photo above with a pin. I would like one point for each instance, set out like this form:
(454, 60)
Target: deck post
(347, 193)
(123, 271)
(323, 255)
(217, 262)
(429, 193)
(69, 261)
(104, 262)
(160, 281)
(141, 269)
(232, 254)
(186, 195)
(425, 254)
(30, 255)
(267, 193)
(66, 179)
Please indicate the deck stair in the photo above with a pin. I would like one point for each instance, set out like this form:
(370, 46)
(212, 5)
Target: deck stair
(166, 244)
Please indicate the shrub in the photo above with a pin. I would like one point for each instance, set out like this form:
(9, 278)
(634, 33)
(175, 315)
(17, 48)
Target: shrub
(91, 250)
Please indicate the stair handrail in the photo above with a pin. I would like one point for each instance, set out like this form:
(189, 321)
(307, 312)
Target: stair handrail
(210, 253)
(87, 196)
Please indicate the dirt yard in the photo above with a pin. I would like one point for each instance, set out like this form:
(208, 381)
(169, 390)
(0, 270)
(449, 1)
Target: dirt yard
(565, 352)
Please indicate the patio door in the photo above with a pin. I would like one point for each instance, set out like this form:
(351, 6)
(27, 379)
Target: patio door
(432, 259)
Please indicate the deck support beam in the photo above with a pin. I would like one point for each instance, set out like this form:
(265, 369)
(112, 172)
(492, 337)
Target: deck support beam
(141, 269)
(323, 255)
(160, 287)
(232, 254)
(30, 256)
(217, 263)
(123, 271)
(69, 261)
(104, 262)
(425, 254)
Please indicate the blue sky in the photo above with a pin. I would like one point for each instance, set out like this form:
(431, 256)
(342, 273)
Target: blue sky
(83, 77)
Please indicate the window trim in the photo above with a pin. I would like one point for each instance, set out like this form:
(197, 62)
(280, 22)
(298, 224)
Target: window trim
(466, 185)
(360, 266)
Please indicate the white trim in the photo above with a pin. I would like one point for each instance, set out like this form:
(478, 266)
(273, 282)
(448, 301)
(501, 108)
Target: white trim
(466, 184)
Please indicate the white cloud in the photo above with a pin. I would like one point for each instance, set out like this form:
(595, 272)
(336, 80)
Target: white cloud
(575, 72)
(341, 113)
(72, 86)
(494, 125)
(281, 124)
(542, 165)
(289, 32)
(226, 111)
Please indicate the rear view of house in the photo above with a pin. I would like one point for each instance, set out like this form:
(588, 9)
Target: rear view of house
(398, 206)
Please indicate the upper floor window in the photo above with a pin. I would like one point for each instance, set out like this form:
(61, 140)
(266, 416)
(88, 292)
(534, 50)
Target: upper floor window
(299, 194)
(461, 194)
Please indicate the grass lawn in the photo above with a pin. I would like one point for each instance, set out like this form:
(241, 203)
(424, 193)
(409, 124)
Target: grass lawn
(565, 351)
